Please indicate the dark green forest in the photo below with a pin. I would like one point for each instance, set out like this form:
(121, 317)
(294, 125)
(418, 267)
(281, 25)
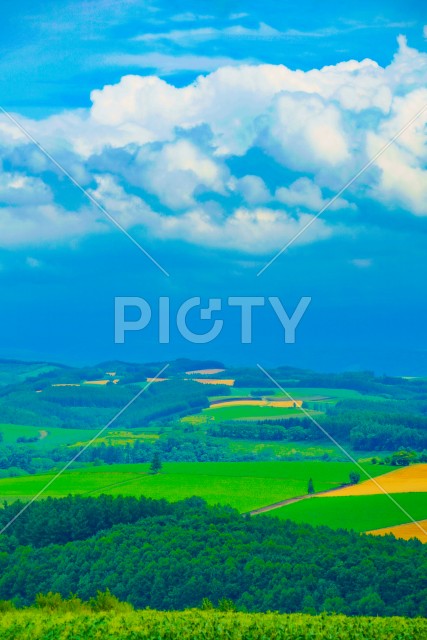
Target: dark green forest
(170, 556)
(91, 406)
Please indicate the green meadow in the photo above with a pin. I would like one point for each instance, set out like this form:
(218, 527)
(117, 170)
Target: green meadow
(325, 393)
(361, 513)
(51, 437)
(249, 412)
(48, 438)
(243, 485)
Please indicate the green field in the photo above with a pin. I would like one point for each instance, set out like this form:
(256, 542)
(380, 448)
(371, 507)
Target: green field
(361, 513)
(249, 412)
(124, 624)
(297, 449)
(244, 485)
(48, 438)
(282, 449)
(327, 393)
(52, 437)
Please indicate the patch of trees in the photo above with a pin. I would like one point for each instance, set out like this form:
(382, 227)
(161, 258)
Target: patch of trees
(91, 406)
(363, 381)
(23, 459)
(16, 456)
(175, 554)
(366, 426)
(264, 430)
(58, 521)
(167, 448)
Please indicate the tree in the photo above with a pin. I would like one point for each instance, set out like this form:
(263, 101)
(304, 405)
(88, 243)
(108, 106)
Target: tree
(354, 477)
(310, 486)
(402, 458)
(156, 464)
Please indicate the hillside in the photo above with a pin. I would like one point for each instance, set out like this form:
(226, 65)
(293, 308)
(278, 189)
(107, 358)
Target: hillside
(170, 556)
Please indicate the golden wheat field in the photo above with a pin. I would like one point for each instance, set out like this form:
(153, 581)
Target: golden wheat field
(403, 480)
(405, 531)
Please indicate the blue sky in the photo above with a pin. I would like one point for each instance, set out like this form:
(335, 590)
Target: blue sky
(213, 133)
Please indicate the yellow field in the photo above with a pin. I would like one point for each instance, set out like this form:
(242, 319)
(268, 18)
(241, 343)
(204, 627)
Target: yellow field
(403, 480)
(228, 382)
(205, 372)
(101, 382)
(405, 531)
(257, 403)
(285, 403)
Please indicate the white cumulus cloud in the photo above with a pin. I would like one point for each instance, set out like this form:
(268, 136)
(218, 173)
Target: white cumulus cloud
(177, 147)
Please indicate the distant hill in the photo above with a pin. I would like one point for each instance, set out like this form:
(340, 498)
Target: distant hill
(16, 371)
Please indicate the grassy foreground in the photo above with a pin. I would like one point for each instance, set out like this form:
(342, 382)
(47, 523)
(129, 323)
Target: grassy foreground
(33, 624)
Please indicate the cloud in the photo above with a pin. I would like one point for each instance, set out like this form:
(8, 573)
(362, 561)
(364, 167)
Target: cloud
(33, 263)
(305, 132)
(361, 263)
(347, 26)
(174, 172)
(402, 175)
(252, 188)
(19, 189)
(31, 225)
(192, 37)
(189, 16)
(168, 64)
(257, 230)
(308, 195)
(178, 161)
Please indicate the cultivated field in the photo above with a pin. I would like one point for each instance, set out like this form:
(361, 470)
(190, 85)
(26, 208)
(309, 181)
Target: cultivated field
(225, 381)
(405, 531)
(204, 372)
(249, 412)
(361, 513)
(403, 480)
(320, 393)
(248, 402)
(52, 437)
(243, 485)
